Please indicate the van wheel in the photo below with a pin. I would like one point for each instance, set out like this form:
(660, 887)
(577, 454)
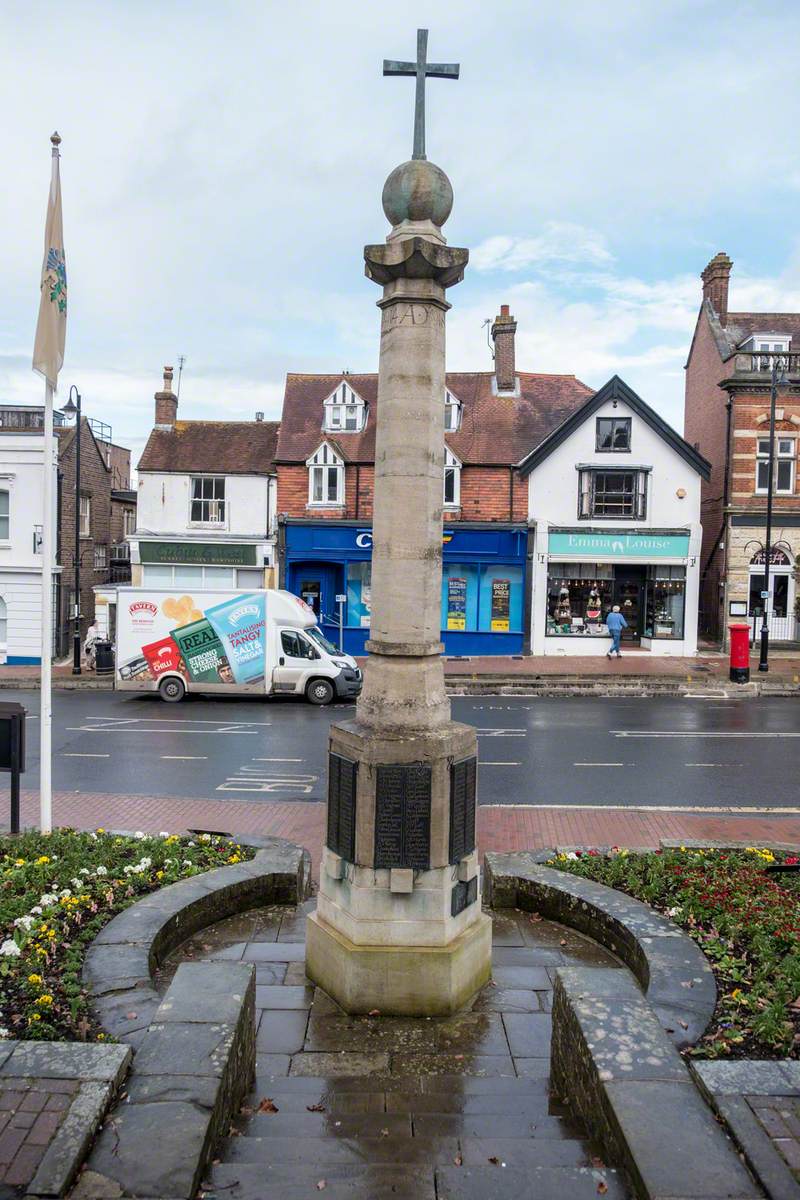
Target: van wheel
(320, 691)
(172, 689)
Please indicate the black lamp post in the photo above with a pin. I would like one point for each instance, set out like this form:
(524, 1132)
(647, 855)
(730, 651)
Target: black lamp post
(779, 384)
(70, 408)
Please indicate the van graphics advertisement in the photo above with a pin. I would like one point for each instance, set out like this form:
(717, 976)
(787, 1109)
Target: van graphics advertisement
(456, 603)
(501, 596)
(240, 625)
(207, 640)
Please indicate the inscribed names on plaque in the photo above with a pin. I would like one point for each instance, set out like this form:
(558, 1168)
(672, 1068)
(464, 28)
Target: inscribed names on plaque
(403, 817)
(462, 808)
(341, 839)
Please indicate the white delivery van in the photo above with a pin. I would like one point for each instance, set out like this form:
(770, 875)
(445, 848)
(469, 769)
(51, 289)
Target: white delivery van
(254, 643)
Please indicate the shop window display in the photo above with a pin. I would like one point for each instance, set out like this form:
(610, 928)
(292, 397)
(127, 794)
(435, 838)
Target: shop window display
(359, 594)
(578, 599)
(665, 602)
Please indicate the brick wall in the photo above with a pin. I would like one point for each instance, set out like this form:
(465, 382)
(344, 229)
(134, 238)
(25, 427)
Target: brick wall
(95, 482)
(750, 422)
(485, 495)
(705, 423)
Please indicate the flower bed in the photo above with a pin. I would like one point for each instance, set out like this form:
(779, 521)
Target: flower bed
(57, 891)
(746, 920)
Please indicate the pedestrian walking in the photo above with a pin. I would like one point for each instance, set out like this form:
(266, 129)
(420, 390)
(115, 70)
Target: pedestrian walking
(92, 637)
(616, 623)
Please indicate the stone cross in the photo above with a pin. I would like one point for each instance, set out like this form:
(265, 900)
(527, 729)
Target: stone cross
(420, 69)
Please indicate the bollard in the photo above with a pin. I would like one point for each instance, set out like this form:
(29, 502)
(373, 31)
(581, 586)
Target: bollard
(12, 752)
(740, 653)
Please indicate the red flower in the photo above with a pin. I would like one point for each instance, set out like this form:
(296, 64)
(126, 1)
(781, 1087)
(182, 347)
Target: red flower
(792, 860)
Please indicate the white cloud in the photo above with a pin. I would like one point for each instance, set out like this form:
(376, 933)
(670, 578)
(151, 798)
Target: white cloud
(560, 242)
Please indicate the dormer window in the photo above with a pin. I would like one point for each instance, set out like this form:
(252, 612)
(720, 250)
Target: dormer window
(767, 343)
(452, 480)
(452, 412)
(345, 411)
(325, 477)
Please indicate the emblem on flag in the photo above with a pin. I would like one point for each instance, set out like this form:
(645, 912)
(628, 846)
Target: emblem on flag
(56, 278)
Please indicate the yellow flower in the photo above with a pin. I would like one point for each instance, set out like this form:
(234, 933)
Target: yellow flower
(101, 830)
(101, 1037)
(19, 862)
(683, 849)
(45, 1000)
(42, 860)
(34, 1017)
(234, 858)
(159, 874)
(35, 979)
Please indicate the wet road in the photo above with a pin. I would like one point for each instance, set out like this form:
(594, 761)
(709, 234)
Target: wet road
(669, 752)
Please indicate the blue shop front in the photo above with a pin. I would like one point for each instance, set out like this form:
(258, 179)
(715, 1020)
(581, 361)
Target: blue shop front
(483, 582)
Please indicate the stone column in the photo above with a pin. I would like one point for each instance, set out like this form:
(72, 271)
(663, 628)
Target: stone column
(398, 925)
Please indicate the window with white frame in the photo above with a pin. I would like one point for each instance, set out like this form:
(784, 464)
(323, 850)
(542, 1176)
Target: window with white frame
(618, 494)
(4, 516)
(100, 557)
(452, 412)
(128, 521)
(345, 411)
(85, 508)
(452, 479)
(208, 500)
(784, 470)
(325, 477)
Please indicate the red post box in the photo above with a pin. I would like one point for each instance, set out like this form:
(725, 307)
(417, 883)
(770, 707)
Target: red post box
(740, 653)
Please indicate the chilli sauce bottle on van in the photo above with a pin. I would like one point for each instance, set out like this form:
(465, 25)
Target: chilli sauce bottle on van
(202, 652)
(163, 656)
(240, 625)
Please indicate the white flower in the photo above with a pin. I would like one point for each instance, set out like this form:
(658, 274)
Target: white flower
(84, 871)
(63, 895)
(101, 871)
(674, 912)
(24, 923)
(145, 863)
(141, 836)
(190, 843)
(204, 837)
(76, 883)
(164, 833)
(37, 910)
(47, 899)
(572, 855)
(4, 1033)
(10, 948)
(188, 863)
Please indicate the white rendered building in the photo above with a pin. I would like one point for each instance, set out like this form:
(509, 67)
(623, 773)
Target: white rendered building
(614, 502)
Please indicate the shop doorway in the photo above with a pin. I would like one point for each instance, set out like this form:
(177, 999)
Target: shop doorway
(317, 584)
(629, 595)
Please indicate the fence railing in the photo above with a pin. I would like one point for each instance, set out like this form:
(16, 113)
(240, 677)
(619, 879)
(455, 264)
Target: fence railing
(760, 362)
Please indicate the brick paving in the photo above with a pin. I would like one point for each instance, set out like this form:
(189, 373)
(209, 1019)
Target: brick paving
(31, 1111)
(500, 829)
(352, 1100)
(779, 1117)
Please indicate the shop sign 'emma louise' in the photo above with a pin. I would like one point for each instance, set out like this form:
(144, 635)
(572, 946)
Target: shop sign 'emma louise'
(616, 544)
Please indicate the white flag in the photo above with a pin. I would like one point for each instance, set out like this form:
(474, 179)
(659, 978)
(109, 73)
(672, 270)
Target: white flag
(51, 328)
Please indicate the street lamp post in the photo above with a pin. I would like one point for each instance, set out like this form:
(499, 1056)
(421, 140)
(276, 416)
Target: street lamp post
(778, 384)
(70, 408)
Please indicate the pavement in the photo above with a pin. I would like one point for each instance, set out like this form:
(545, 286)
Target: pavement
(709, 669)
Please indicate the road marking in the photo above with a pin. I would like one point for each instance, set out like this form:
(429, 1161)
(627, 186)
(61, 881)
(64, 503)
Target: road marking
(582, 764)
(76, 754)
(278, 760)
(186, 757)
(648, 808)
(501, 732)
(635, 733)
(255, 779)
(128, 729)
(712, 764)
(170, 721)
(498, 764)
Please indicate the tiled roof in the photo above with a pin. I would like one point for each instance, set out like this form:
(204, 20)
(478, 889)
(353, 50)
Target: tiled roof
(743, 325)
(494, 429)
(226, 447)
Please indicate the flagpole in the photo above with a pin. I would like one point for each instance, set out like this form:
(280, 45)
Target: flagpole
(46, 704)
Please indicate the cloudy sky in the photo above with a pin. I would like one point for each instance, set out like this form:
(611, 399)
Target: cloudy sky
(222, 167)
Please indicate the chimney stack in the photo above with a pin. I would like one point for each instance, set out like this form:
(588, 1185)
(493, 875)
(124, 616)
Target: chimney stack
(503, 331)
(715, 284)
(166, 403)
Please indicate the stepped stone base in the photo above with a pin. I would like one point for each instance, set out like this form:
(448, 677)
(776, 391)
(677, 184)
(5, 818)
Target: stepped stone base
(400, 981)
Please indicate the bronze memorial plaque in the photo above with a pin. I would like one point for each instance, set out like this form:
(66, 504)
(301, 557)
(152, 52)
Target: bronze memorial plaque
(462, 808)
(463, 894)
(341, 839)
(403, 817)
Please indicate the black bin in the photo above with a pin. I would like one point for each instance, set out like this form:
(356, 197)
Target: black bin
(103, 658)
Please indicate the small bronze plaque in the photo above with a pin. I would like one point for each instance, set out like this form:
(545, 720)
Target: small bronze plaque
(342, 775)
(403, 817)
(462, 808)
(462, 895)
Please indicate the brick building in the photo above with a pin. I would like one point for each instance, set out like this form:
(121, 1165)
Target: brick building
(325, 468)
(104, 498)
(728, 377)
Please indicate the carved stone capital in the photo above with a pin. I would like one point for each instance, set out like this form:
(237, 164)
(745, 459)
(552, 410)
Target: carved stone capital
(415, 258)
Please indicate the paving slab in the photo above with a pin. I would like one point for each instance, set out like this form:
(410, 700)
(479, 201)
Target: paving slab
(489, 1182)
